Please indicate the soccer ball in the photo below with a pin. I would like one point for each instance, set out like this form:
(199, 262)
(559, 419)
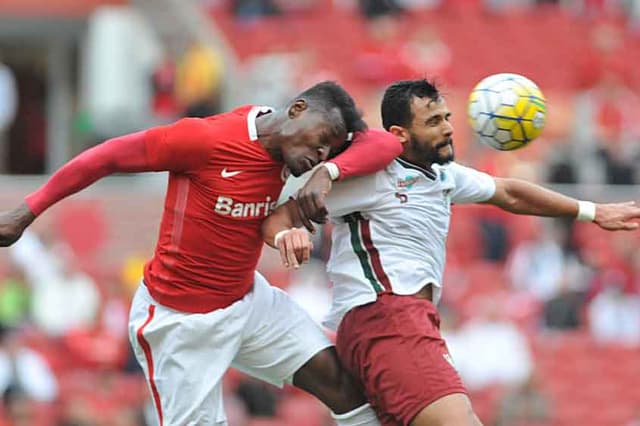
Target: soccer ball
(507, 111)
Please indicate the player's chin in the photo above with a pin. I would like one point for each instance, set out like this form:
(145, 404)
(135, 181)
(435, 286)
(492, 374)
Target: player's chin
(297, 171)
(445, 155)
(302, 167)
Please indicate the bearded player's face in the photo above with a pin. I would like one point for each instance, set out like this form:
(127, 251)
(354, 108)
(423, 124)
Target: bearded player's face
(431, 132)
(308, 140)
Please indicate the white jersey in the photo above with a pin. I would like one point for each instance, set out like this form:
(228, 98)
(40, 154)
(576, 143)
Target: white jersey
(390, 230)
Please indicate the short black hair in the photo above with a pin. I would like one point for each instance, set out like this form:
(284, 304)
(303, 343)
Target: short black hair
(328, 96)
(396, 102)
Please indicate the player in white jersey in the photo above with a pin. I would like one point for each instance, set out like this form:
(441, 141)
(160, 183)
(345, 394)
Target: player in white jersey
(388, 257)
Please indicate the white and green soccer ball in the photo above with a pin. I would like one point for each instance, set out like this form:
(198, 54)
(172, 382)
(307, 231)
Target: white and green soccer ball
(507, 111)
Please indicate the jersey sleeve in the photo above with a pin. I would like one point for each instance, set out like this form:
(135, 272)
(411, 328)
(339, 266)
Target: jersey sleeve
(370, 151)
(123, 154)
(183, 146)
(353, 195)
(472, 186)
(292, 186)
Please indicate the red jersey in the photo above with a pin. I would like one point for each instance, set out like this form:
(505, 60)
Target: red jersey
(222, 185)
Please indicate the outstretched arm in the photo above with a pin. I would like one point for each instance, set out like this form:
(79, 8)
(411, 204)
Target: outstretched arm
(521, 197)
(118, 155)
(370, 151)
(122, 154)
(181, 146)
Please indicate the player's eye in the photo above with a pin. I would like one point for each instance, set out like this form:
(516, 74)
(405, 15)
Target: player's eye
(433, 121)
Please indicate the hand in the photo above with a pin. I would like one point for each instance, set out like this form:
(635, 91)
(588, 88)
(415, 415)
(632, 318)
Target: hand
(311, 198)
(295, 247)
(618, 216)
(13, 223)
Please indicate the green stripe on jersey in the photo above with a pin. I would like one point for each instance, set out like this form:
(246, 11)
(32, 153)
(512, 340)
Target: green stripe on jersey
(358, 248)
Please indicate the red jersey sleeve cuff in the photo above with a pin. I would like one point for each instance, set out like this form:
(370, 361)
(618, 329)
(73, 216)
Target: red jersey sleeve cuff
(31, 201)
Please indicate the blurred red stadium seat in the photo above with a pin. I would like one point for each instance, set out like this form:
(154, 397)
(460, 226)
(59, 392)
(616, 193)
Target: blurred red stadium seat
(82, 225)
(591, 384)
(506, 36)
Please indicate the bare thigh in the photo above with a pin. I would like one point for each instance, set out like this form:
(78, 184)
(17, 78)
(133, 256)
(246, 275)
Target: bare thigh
(451, 410)
(324, 377)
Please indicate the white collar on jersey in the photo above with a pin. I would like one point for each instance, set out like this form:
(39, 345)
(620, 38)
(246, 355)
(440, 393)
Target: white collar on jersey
(251, 120)
(407, 165)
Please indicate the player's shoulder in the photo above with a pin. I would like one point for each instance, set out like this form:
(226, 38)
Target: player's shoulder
(452, 172)
(238, 114)
(228, 126)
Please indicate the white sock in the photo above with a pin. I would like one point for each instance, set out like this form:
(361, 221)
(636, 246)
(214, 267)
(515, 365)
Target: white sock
(361, 416)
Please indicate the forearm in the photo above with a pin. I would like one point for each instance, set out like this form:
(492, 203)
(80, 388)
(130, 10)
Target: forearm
(521, 197)
(370, 151)
(125, 154)
(284, 218)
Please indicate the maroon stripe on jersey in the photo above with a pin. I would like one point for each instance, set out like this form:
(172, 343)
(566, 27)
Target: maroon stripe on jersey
(179, 209)
(147, 353)
(365, 230)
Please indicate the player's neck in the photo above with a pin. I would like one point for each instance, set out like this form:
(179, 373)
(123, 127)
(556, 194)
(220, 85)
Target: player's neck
(267, 125)
(414, 158)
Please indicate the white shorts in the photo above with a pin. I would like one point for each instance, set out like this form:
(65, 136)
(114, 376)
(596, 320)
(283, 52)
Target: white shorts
(184, 356)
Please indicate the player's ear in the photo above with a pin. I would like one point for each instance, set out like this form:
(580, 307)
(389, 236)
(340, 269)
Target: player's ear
(297, 107)
(400, 132)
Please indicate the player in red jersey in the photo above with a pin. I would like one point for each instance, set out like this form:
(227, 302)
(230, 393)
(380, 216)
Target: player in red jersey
(202, 307)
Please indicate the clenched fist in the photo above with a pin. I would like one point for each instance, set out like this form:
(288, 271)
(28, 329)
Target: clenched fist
(311, 198)
(13, 223)
(295, 247)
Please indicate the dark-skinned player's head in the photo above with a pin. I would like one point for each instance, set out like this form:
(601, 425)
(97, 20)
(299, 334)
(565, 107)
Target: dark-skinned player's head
(317, 126)
(416, 112)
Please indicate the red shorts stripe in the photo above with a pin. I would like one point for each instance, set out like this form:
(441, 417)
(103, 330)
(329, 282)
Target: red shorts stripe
(374, 255)
(394, 347)
(147, 353)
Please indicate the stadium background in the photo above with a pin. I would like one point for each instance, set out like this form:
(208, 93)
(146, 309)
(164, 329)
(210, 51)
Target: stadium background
(542, 316)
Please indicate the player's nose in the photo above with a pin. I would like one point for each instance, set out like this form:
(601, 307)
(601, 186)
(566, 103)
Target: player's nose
(448, 128)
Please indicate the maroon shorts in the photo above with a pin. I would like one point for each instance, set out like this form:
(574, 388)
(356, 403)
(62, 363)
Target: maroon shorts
(394, 347)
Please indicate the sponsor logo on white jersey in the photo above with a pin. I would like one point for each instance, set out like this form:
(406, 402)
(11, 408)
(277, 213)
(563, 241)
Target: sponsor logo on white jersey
(407, 182)
(227, 174)
(227, 206)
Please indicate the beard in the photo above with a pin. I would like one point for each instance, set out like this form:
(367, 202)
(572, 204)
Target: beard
(432, 154)
(441, 159)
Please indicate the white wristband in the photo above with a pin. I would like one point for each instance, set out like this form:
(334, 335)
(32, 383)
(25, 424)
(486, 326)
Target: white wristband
(586, 211)
(334, 172)
(279, 236)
